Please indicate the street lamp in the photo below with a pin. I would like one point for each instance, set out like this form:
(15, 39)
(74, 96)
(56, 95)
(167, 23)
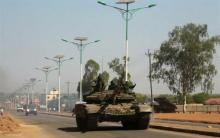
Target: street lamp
(27, 86)
(68, 92)
(59, 60)
(46, 70)
(33, 81)
(80, 46)
(127, 15)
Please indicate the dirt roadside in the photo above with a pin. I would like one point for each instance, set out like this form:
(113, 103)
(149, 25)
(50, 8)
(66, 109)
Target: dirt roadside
(12, 128)
(8, 125)
(193, 117)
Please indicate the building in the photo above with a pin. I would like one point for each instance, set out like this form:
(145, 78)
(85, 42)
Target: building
(213, 101)
(52, 95)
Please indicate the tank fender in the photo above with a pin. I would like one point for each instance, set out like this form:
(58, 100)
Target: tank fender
(92, 108)
(80, 110)
(145, 108)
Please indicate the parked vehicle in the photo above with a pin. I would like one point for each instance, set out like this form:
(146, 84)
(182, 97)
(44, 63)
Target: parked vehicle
(20, 109)
(164, 105)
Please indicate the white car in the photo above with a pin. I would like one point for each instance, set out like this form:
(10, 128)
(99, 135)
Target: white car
(20, 109)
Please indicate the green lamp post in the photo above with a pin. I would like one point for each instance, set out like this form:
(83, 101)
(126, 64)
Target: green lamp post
(127, 15)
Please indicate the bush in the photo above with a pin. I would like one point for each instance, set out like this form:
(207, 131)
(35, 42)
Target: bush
(200, 97)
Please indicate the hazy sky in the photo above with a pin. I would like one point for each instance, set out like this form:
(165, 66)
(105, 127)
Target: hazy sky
(32, 29)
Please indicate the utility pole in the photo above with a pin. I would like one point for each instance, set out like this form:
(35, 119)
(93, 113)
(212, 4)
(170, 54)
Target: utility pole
(28, 96)
(68, 92)
(150, 77)
(68, 88)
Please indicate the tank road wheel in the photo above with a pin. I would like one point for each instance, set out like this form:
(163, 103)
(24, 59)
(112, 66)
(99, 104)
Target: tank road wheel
(92, 122)
(81, 115)
(87, 123)
(128, 124)
(81, 123)
(143, 121)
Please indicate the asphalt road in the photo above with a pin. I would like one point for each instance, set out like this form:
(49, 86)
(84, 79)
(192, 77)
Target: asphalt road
(188, 123)
(66, 127)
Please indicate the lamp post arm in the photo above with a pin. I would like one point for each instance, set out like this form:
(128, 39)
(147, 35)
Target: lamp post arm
(75, 43)
(49, 70)
(44, 70)
(137, 9)
(117, 8)
(51, 59)
(70, 42)
(91, 42)
(66, 60)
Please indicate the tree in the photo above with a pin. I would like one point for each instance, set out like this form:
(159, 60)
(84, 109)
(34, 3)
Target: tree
(105, 78)
(91, 73)
(141, 98)
(119, 81)
(184, 61)
(101, 82)
(200, 97)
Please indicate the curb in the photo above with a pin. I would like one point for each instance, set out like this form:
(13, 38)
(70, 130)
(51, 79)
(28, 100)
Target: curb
(57, 114)
(193, 121)
(192, 131)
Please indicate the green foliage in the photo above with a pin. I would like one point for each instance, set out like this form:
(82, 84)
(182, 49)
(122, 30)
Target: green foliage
(169, 97)
(195, 98)
(91, 73)
(113, 84)
(200, 97)
(178, 99)
(141, 98)
(101, 82)
(119, 81)
(184, 61)
(105, 78)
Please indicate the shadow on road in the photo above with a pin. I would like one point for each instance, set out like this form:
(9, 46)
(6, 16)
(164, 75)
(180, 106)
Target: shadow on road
(101, 128)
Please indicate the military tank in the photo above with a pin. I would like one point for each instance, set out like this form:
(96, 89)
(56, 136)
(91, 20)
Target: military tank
(117, 105)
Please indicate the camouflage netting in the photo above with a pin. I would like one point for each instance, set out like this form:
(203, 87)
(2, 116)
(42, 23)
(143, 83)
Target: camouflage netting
(109, 96)
(119, 110)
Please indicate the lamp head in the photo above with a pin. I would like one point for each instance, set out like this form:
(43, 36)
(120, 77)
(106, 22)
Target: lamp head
(151, 5)
(79, 38)
(64, 40)
(46, 67)
(100, 2)
(125, 1)
(59, 56)
(96, 41)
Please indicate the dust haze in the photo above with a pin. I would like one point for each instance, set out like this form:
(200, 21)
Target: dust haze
(3, 80)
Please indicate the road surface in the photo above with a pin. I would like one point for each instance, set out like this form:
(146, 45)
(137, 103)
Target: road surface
(66, 127)
(187, 123)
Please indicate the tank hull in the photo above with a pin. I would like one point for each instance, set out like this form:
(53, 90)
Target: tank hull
(135, 116)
